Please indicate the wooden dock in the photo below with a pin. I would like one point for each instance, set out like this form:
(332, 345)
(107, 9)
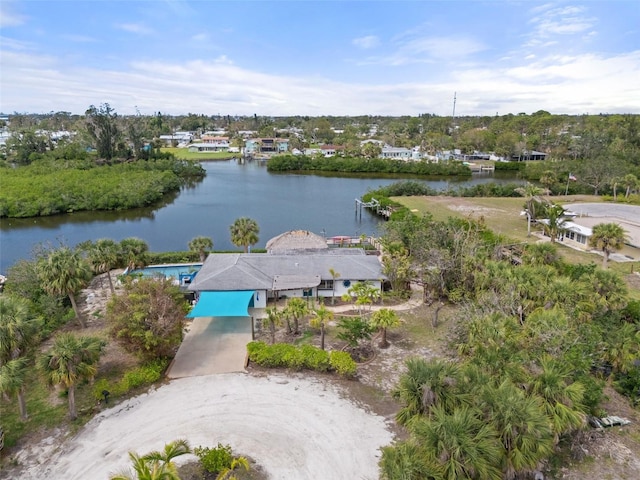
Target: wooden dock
(375, 206)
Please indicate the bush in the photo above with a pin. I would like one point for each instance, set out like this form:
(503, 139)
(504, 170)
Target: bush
(315, 358)
(137, 377)
(342, 363)
(216, 459)
(298, 358)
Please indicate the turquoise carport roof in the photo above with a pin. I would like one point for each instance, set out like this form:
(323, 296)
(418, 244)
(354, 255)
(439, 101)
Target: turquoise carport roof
(233, 303)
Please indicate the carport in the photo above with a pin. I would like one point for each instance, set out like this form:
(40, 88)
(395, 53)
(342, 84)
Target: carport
(217, 338)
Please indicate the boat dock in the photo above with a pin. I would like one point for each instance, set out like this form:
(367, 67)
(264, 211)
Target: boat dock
(373, 205)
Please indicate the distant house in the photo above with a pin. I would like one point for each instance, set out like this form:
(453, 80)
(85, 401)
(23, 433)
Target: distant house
(213, 143)
(397, 153)
(177, 137)
(529, 155)
(262, 146)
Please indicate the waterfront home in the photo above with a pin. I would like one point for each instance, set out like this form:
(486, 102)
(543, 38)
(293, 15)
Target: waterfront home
(297, 264)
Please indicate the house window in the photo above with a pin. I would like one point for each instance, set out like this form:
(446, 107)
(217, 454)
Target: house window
(326, 285)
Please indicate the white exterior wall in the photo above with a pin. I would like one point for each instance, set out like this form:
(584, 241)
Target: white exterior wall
(260, 299)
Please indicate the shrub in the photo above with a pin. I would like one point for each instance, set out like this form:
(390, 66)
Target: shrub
(315, 358)
(342, 363)
(290, 356)
(214, 460)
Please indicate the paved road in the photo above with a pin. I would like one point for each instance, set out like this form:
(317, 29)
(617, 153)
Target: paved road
(630, 213)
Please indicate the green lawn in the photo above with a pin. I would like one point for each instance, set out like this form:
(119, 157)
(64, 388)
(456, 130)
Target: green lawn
(185, 154)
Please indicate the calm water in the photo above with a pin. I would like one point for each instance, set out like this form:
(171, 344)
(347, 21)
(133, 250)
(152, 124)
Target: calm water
(278, 202)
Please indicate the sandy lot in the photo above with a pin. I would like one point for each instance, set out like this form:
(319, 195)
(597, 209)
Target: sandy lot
(294, 427)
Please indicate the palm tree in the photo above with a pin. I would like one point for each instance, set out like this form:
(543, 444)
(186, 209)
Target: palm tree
(555, 221)
(334, 276)
(321, 316)
(607, 237)
(155, 465)
(201, 245)
(103, 256)
(461, 442)
(407, 461)
(19, 333)
(244, 232)
(71, 360)
(383, 319)
(548, 179)
(521, 425)
(134, 252)
(630, 183)
(273, 319)
(364, 293)
(562, 399)
(425, 385)
(65, 272)
(530, 192)
(227, 472)
(296, 308)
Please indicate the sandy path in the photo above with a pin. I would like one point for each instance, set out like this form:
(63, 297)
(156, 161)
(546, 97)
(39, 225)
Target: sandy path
(295, 427)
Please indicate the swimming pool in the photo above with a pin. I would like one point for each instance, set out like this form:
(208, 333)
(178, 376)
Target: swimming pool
(183, 273)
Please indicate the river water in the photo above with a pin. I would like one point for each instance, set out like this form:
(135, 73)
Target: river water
(278, 202)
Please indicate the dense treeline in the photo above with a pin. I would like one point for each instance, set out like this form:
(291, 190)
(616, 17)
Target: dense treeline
(49, 187)
(288, 163)
(533, 347)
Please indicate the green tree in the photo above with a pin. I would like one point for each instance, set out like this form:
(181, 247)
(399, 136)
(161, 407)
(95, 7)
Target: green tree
(321, 317)
(397, 266)
(201, 245)
(334, 276)
(630, 183)
(104, 255)
(156, 465)
(363, 293)
(64, 272)
(426, 384)
(102, 126)
(460, 442)
(548, 180)
(19, 333)
(147, 317)
(521, 425)
(384, 319)
(607, 237)
(296, 308)
(69, 361)
(273, 320)
(244, 233)
(562, 398)
(134, 252)
(556, 220)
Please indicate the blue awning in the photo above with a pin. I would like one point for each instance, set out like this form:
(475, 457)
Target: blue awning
(232, 303)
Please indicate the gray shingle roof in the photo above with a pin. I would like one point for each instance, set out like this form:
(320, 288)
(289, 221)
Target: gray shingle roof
(257, 271)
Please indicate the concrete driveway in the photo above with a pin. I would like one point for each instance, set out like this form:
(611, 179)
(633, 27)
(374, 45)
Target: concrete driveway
(212, 345)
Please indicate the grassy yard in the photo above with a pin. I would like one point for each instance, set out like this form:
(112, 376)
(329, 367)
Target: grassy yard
(502, 215)
(185, 154)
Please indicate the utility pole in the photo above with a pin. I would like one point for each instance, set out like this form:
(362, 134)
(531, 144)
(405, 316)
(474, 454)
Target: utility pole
(453, 116)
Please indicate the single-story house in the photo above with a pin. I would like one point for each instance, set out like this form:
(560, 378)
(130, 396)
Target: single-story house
(236, 281)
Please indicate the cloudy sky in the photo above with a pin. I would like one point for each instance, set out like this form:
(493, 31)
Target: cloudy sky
(320, 57)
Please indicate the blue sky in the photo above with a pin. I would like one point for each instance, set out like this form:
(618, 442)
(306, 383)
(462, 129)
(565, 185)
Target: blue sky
(320, 57)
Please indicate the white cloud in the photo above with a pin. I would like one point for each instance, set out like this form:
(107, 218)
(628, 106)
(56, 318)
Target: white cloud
(568, 20)
(428, 50)
(560, 84)
(370, 41)
(8, 17)
(137, 28)
(78, 38)
(200, 37)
